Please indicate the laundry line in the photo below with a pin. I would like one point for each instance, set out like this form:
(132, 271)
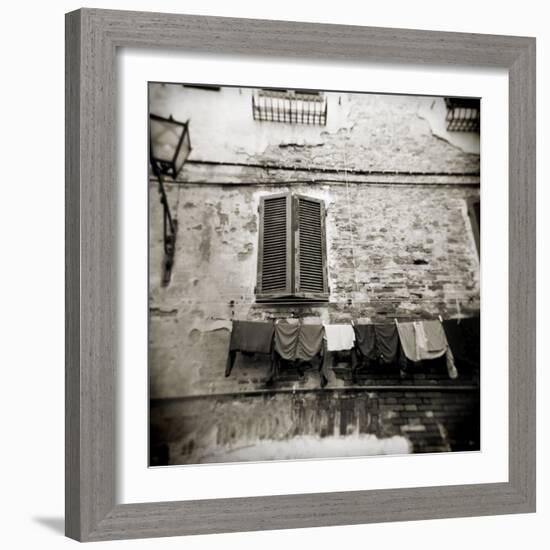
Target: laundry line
(396, 342)
(371, 302)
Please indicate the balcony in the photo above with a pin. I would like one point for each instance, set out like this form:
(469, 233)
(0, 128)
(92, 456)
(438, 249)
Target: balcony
(462, 114)
(289, 106)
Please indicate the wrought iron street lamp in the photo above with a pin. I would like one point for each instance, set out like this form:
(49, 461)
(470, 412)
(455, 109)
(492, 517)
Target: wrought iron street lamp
(170, 146)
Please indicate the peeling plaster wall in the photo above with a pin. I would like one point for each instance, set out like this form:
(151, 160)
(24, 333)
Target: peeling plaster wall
(399, 245)
(363, 131)
(223, 129)
(434, 112)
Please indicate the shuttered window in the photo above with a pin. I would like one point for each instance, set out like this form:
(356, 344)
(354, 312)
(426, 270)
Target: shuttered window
(274, 263)
(292, 249)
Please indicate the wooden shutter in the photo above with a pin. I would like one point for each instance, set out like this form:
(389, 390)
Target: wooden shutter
(274, 259)
(310, 276)
(474, 213)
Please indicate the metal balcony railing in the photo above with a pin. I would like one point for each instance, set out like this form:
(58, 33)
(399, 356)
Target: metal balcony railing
(462, 114)
(289, 106)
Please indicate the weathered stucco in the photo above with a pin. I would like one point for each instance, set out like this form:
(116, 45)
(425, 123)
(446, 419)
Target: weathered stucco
(363, 131)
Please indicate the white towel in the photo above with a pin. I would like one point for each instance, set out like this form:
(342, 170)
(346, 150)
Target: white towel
(339, 337)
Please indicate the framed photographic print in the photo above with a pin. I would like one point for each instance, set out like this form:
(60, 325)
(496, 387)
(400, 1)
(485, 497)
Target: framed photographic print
(283, 309)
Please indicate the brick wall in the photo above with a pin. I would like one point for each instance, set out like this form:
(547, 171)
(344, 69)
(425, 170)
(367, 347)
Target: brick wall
(193, 430)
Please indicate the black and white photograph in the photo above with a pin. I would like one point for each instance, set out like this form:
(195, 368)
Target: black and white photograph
(249, 300)
(314, 274)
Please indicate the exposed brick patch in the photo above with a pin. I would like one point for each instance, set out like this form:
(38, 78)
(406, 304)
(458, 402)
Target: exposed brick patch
(386, 135)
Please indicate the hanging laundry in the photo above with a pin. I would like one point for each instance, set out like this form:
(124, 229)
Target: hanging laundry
(430, 339)
(387, 340)
(339, 337)
(450, 362)
(365, 336)
(426, 340)
(421, 339)
(298, 341)
(463, 337)
(420, 343)
(249, 337)
(252, 336)
(435, 341)
(310, 341)
(407, 337)
(378, 342)
(286, 340)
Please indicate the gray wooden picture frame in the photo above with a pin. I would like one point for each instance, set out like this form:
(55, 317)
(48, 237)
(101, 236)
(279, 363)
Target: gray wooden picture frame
(92, 39)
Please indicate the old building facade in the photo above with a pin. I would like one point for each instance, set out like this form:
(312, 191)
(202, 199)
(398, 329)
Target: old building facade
(398, 240)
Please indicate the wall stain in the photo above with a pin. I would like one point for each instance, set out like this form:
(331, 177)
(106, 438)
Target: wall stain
(251, 225)
(248, 248)
(194, 336)
(205, 245)
(158, 312)
(224, 218)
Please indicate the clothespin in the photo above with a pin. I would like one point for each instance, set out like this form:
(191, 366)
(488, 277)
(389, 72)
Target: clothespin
(458, 311)
(395, 321)
(440, 318)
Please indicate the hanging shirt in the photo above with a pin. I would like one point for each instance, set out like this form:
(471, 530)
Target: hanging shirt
(407, 337)
(436, 341)
(310, 341)
(425, 340)
(387, 341)
(286, 339)
(298, 341)
(378, 342)
(430, 339)
(365, 336)
(252, 336)
(421, 341)
(339, 337)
